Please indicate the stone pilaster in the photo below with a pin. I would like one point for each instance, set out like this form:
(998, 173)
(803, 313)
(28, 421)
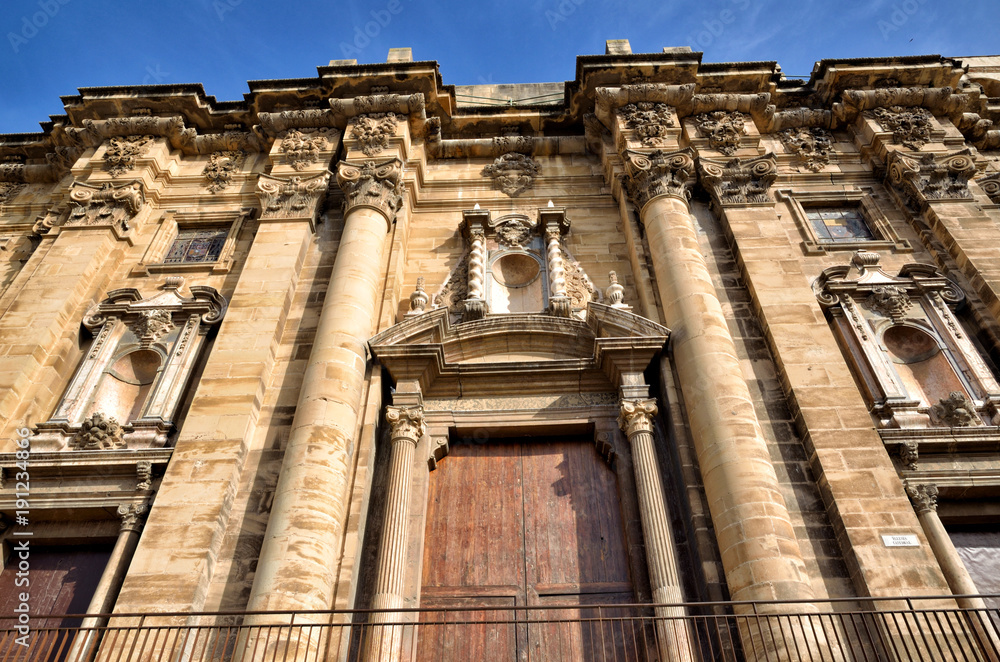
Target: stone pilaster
(636, 420)
(306, 525)
(384, 641)
(760, 553)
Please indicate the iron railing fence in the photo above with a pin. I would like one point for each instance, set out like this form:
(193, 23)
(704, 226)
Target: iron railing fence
(885, 629)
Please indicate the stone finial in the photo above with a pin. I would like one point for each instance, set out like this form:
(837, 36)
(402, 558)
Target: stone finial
(956, 411)
(615, 292)
(418, 299)
(376, 185)
(637, 416)
(923, 496)
(658, 173)
(406, 423)
(132, 515)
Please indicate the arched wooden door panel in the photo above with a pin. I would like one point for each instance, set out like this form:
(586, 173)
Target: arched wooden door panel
(526, 523)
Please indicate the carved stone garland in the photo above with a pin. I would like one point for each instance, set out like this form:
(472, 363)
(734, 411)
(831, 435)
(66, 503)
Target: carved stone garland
(812, 145)
(513, 173)
(9, 190)
(221, 168)
(303, 148)
(724, 130)
(372, 131)
(122, 152)
(650, 121)
(911, 127)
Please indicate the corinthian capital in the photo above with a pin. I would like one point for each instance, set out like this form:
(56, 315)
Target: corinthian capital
(739, 181)
(933, 177)
(132, 515)
(378, 186)
(406, 423)
(295, 197)
(658, 173)
(637, 416)
(923, 497)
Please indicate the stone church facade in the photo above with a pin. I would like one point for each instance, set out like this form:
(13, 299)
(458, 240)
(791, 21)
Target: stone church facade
(367, 350)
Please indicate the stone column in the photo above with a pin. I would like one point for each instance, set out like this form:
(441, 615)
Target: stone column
(106, 593)
(305, 530)
(555, 224)
(384, 642)
(759, 551)
(924, 499)
(636, 420)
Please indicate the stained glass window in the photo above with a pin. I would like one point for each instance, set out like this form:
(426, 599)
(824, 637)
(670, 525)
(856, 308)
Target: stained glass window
(839, 224)
(197, 245)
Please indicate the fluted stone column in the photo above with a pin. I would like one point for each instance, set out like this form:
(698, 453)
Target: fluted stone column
(636, 420)
(760, 554)
(305, 530)
(132, 516)
(384, 642)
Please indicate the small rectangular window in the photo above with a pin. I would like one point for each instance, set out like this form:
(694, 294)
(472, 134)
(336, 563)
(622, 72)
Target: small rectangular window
(837, 224)
(197, 245)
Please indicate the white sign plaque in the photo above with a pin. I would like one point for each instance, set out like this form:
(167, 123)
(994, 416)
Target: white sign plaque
(901, 540)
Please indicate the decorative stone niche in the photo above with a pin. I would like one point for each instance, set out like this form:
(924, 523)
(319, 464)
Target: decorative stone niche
(917, 365)
(516, 263)
(127, 390)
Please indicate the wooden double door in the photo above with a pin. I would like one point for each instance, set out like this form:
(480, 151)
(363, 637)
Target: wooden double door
(527, 524)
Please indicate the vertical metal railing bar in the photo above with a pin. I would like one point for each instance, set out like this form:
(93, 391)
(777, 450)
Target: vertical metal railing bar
(940, 634)
(965, 639)
(909, 640)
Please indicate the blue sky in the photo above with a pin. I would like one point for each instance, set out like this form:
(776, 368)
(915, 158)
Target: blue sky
(51, 47)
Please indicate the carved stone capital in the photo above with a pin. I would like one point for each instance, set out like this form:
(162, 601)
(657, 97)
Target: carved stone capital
(406, 423)
(991, 186)
(739, 181)
(658, 173)
(931, 177)
(295, 197)
(636, 416)
(132, 516)
(378, 186)
(107, 205)
(923, 496)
